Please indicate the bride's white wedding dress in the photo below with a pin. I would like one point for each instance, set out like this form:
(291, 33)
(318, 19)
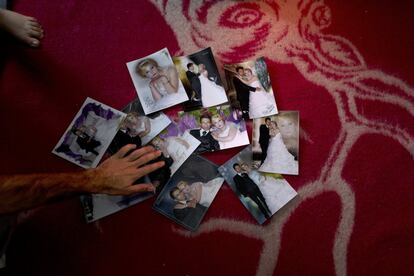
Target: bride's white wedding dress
(211, 93)
(209, 191)
(261, 103)
(279, 159)
(277, 192)
(240, 139)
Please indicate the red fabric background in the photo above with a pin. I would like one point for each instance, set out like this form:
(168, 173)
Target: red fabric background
(84, 53)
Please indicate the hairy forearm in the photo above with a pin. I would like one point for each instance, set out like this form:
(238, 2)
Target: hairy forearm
(18, 192)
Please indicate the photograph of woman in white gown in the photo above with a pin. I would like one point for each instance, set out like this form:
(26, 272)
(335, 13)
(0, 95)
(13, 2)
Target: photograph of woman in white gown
(250, 89)
(201, 79)
(211, 93)
(227, 133)
(275, 189)
(179, 148)
(156, 81)
(261, 102)
(190, 192)
(278, 159)
(262, 194)
(200, 192)
(89, 134)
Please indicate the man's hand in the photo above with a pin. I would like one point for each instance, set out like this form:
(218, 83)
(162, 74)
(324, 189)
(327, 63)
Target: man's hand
(116, 175)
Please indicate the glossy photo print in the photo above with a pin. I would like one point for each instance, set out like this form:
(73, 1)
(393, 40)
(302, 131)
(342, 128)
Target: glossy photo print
(187, 196)
(216, 128)
(89, 134)
(156, 81)
(276, 143)
(201, 79)
(250, 89)
(136, 129)
(263, 194)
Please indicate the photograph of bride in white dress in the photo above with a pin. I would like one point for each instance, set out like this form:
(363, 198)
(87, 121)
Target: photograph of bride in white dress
(187, 196)
(136, 129)
(276, 143)
(156, 81)
(263, 194)
(250, 88)
(216, 128)
(89, 134)
(175, 143)
(201, 79)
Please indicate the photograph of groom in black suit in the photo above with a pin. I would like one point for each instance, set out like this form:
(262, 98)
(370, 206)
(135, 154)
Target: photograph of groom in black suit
(242, 91)
(246, 186)
(194, 81)
(203, 134)
(264, 137)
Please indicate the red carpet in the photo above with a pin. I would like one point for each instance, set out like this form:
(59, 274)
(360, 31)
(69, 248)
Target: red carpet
(345, 65)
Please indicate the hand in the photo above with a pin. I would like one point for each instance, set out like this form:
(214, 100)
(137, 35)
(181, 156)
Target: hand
(258, 89)
(116, 175)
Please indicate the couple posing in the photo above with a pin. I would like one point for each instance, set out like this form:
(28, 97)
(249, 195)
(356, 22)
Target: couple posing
(246, 181)
(275, 156)
(215, 133)
(205, 87)
(192, 200)
(254, 101)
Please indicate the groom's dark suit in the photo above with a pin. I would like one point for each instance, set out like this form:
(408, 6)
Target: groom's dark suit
(208, 143)
(248, 188)
(264, 140)
(242, 91)
(195, 83)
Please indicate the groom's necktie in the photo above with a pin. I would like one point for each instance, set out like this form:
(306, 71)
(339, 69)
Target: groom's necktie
(204, 133)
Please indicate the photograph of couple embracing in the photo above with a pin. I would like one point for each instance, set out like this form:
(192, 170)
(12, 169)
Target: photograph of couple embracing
(250, 89)
(263, 194)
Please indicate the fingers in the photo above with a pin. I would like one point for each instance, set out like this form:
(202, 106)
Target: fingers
(140, 152)
(146, 158)
(149, 168)
(124, 150)
(140, 188)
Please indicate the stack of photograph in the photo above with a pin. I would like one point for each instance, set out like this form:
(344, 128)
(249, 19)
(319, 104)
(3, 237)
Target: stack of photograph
(213, 118)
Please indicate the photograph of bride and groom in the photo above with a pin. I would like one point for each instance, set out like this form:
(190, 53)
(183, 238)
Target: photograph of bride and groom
(250, 89)
(199, 74)
(190, 192)
(276, 143)
(263, 194)
(216, 128)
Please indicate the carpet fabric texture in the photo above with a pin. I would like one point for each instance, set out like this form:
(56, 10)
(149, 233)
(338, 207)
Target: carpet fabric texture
(346, 66)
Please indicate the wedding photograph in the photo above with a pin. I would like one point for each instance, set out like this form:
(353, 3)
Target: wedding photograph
(186, 198)
(144, 126)
(263, 194)
(175, 145)
(137, 129)
(250, 89)
(199, 74)
(216, 128)
(276, 143)
(156, 81)
(89, 134)
(98, 206)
